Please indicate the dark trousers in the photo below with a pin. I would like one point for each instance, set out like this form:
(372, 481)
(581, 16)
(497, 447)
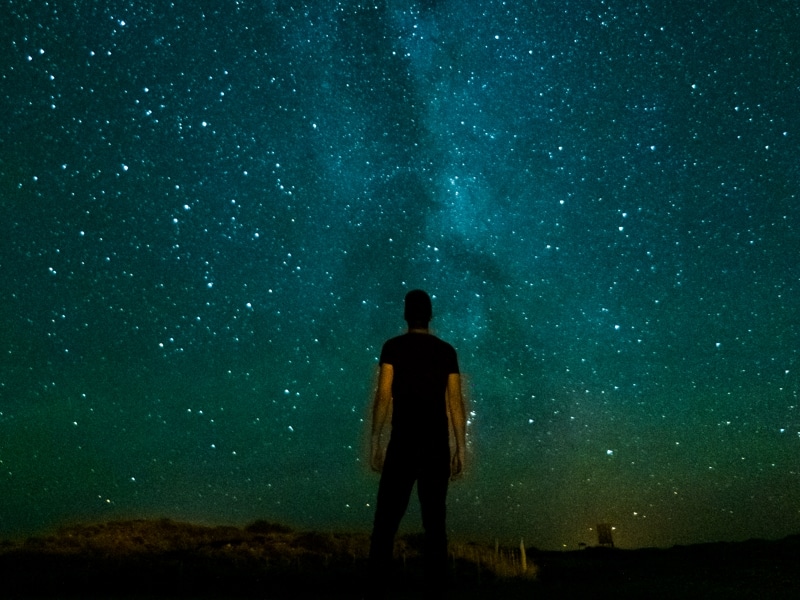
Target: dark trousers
(408, 462)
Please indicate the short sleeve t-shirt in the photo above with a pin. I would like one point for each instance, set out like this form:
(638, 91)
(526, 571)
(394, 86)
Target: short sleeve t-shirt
(421, 363)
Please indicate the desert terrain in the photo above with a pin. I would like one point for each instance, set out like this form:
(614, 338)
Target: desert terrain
(168, 559)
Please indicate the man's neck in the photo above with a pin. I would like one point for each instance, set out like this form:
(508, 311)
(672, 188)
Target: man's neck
(418, 330)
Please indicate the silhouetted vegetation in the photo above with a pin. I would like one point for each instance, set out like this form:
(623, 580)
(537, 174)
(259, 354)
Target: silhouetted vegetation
(266, 527)
(167, 558)
(163, 558)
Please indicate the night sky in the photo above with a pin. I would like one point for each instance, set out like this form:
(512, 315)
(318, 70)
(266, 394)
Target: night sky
(210, 213)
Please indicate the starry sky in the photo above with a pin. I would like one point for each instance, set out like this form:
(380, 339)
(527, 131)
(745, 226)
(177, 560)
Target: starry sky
(210, 213)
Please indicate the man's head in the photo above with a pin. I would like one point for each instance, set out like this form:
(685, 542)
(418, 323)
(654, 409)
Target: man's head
(418, 309)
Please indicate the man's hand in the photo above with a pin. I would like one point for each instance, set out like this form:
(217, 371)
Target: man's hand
(377, 458)
(457, 465)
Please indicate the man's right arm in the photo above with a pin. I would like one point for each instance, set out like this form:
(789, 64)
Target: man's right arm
(458, 419)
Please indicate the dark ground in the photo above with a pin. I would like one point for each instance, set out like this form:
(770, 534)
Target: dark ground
(145, 559)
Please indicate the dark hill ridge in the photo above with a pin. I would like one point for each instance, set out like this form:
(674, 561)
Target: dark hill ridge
(167, 559)
(265, 560)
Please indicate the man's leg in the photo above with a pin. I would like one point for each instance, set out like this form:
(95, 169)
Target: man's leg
(432, 490)
(394, 491)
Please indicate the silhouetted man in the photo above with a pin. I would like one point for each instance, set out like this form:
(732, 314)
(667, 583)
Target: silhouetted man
(419, 387)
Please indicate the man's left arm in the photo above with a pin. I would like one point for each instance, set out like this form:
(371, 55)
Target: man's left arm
(381, 412)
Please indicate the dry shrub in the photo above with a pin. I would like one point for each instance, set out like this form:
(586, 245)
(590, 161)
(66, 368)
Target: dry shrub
(266, 527)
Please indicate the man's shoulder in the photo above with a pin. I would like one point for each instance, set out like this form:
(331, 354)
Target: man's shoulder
(441, 342)
(396, 339)
(393, 342)
(391, 347)
(445, 347)
(410, 340)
